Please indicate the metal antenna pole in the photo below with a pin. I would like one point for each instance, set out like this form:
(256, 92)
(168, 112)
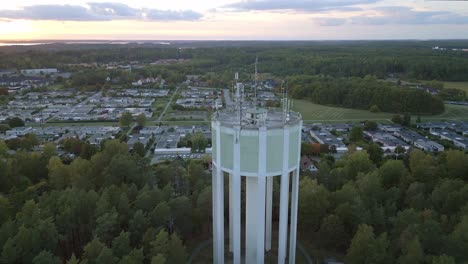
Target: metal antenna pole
(256, 83)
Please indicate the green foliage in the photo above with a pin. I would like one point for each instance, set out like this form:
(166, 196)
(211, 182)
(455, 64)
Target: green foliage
(374, 109)
(139, 149)
(121, 244)
(158, 259)
(125, 119)
(356, 134)
(443, 259)
(161, 243)
(15, 122)
(313, 204)
(141, 120)
(366, 248)
(375, 153)
(45, 257)
(370, 126)
(364, 93)
(199, 142)
(106, 257)
(412, 252)
(92, 250)
(176, 251)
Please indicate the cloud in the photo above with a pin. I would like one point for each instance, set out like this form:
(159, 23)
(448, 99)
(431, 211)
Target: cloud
(97, 12)
(406, 15)
(400, 15)
(328, 21)
(300, 5)
(50, 12)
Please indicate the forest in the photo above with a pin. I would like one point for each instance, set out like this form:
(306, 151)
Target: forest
(111, 206)
(364, 93)
(406, 59)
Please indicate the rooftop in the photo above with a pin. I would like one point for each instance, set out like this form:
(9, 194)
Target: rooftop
(273, 118)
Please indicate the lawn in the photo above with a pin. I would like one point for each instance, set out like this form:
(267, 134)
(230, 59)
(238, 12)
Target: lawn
(452, 112)
(320, 113)
(457, 85)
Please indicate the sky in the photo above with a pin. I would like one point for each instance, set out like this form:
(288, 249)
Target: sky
(232, 19)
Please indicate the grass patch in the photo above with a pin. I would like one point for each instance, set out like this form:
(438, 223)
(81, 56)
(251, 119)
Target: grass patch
(329, 114)
(452, 112)
(178, 123)
(457, 85)
(321, 113)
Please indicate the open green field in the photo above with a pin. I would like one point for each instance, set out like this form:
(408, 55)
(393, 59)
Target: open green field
(457, 85)
(320, 113)
(452, 112)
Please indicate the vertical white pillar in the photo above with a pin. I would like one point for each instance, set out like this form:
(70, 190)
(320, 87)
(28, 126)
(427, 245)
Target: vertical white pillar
(218, 215)
(269, 208)
(218, 203)
(231, 239)
(236, 201)
(294, 203)
(284, 194)
(251, 214)
(293, 227)
(214, 191)
(262, 160)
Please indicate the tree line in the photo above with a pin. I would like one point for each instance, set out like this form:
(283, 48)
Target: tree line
(409, 59)
(364, 93)
(412, 210)
(109, 207)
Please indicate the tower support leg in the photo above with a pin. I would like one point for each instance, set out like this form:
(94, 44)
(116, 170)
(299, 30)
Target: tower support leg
(293, 231)
(269, 208)
(218, 215)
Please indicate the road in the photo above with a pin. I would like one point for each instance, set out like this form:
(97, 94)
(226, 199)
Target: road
(148, 153)
(168, 104)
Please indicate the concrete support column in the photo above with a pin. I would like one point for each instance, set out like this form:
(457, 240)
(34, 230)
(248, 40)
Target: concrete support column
(231, 239)
(284, 195)
(294, 204)
(218, 215)
(218, 203)
(236, 202)
(262, 160)
(293, 231)
(251, 214)
(269, 209)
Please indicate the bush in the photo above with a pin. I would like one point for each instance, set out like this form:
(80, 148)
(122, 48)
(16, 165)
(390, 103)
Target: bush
(374, 109)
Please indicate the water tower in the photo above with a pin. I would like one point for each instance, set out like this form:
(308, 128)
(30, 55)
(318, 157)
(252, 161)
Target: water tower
(256, 144)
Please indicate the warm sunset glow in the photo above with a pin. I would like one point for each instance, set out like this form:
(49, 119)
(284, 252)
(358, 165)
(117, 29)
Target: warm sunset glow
(231, 19)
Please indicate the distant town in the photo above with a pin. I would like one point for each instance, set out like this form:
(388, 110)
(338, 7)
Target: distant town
(54, 115)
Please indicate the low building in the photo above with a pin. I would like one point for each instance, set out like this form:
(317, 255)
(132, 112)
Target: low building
(19, 131)
(387, 141)
(456, 139)
(418, 141)
(325, 137)
(140, 139)
(428, 145)
(151, 130)
(39, 71)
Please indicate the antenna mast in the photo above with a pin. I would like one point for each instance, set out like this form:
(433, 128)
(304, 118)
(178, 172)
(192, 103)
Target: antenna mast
(256, 83)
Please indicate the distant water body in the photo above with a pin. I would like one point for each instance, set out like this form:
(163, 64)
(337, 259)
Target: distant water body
(82, 42)
(22, 43)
